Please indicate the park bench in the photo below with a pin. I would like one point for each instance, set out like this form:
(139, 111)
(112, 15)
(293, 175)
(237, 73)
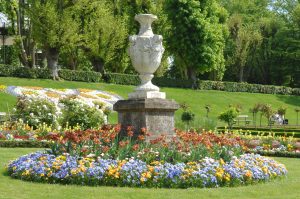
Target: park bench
(2, 117)
(242, 119)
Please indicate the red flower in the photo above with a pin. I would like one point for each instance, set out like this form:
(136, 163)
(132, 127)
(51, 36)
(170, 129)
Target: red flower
(135, 147)
(141, 137)
(130, 133)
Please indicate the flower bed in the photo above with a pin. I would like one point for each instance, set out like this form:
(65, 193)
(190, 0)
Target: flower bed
(104, 157)
(66, 169)
(86, 96)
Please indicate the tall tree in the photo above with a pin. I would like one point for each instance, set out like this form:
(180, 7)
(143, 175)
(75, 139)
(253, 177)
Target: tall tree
(21, 26)
(54, 28)
(196, 38)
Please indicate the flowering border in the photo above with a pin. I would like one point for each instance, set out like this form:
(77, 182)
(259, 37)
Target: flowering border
(66, 169)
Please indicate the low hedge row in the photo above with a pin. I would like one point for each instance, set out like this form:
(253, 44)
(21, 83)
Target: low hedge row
(23, 144)
(279, 154)
(245, 87)
(43, 73)
(127, 79)
(266, 129)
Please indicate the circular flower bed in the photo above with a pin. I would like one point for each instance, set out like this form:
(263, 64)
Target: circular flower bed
(105, 157)
(66, 169)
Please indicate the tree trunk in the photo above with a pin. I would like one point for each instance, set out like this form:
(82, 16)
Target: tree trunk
(192, 75)
(23, 54)
(241, 75)
(98, 64)
(52, 60)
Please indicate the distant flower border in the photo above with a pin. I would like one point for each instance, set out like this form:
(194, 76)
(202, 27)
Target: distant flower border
(66, 169)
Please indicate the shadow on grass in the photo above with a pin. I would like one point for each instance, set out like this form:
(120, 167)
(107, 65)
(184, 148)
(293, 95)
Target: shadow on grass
(292, 100)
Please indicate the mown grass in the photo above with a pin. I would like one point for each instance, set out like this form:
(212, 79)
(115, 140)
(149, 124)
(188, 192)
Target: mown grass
(196, 99)
(13, 188)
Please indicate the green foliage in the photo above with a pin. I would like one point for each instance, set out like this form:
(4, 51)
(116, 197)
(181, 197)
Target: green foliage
(36, 111)
(245, 87)
(23, 144)
(124, 79)
(42, 73)
(187, 116)
(76, 113)
(197, 35)
(281, 110)
(229, 115)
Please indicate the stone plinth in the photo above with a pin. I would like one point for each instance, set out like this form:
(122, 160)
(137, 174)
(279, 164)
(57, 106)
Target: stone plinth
(156, 115)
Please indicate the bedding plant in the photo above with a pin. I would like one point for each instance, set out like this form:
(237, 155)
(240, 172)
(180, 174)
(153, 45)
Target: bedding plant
(103, 157)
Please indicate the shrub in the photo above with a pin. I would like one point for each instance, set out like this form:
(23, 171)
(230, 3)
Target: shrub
(74, 113)
(229, 115)
(36, 111)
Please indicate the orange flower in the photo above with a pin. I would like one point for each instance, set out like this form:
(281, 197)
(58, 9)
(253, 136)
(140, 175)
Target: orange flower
(141, 137)
(135, 147)
(143, 131)
(105, 149)
(130, 133)
(122, 144)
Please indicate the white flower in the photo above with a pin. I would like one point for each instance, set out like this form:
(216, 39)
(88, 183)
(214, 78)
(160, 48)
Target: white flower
(31, 114)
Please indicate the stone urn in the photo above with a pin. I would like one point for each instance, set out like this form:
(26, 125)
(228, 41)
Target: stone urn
(145, 51)
(146, 107)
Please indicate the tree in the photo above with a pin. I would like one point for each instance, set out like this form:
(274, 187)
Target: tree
(254, 111)
(267, 111)
(21, 27)
(297, 110)
(196, 38)
(53, 28)
(100, 40)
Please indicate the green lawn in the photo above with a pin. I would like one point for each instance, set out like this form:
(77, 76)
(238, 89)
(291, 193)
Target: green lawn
(196, 99)
(12, 188)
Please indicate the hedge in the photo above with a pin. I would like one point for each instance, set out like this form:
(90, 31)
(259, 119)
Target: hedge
(128, 79)
(279, 154)
(245, 87)
(23, 144)
(44, 73)
(273, 128)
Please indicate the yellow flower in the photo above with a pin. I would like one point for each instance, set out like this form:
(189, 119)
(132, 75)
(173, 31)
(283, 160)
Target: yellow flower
(227, 177)
(222, 161)
(146, 175)
(248, 174)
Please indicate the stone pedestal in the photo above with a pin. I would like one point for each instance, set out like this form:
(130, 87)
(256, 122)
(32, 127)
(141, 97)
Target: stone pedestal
(156, 115)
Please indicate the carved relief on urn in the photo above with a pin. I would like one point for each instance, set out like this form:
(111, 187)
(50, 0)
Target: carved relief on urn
(146, 51)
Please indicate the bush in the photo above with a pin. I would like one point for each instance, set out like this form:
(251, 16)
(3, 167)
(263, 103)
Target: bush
(229, 115)
(36, 111)
(76, 113)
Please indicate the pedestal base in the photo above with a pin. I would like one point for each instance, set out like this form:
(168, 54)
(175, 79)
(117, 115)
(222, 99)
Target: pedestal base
(147, 95)
(156, 115)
